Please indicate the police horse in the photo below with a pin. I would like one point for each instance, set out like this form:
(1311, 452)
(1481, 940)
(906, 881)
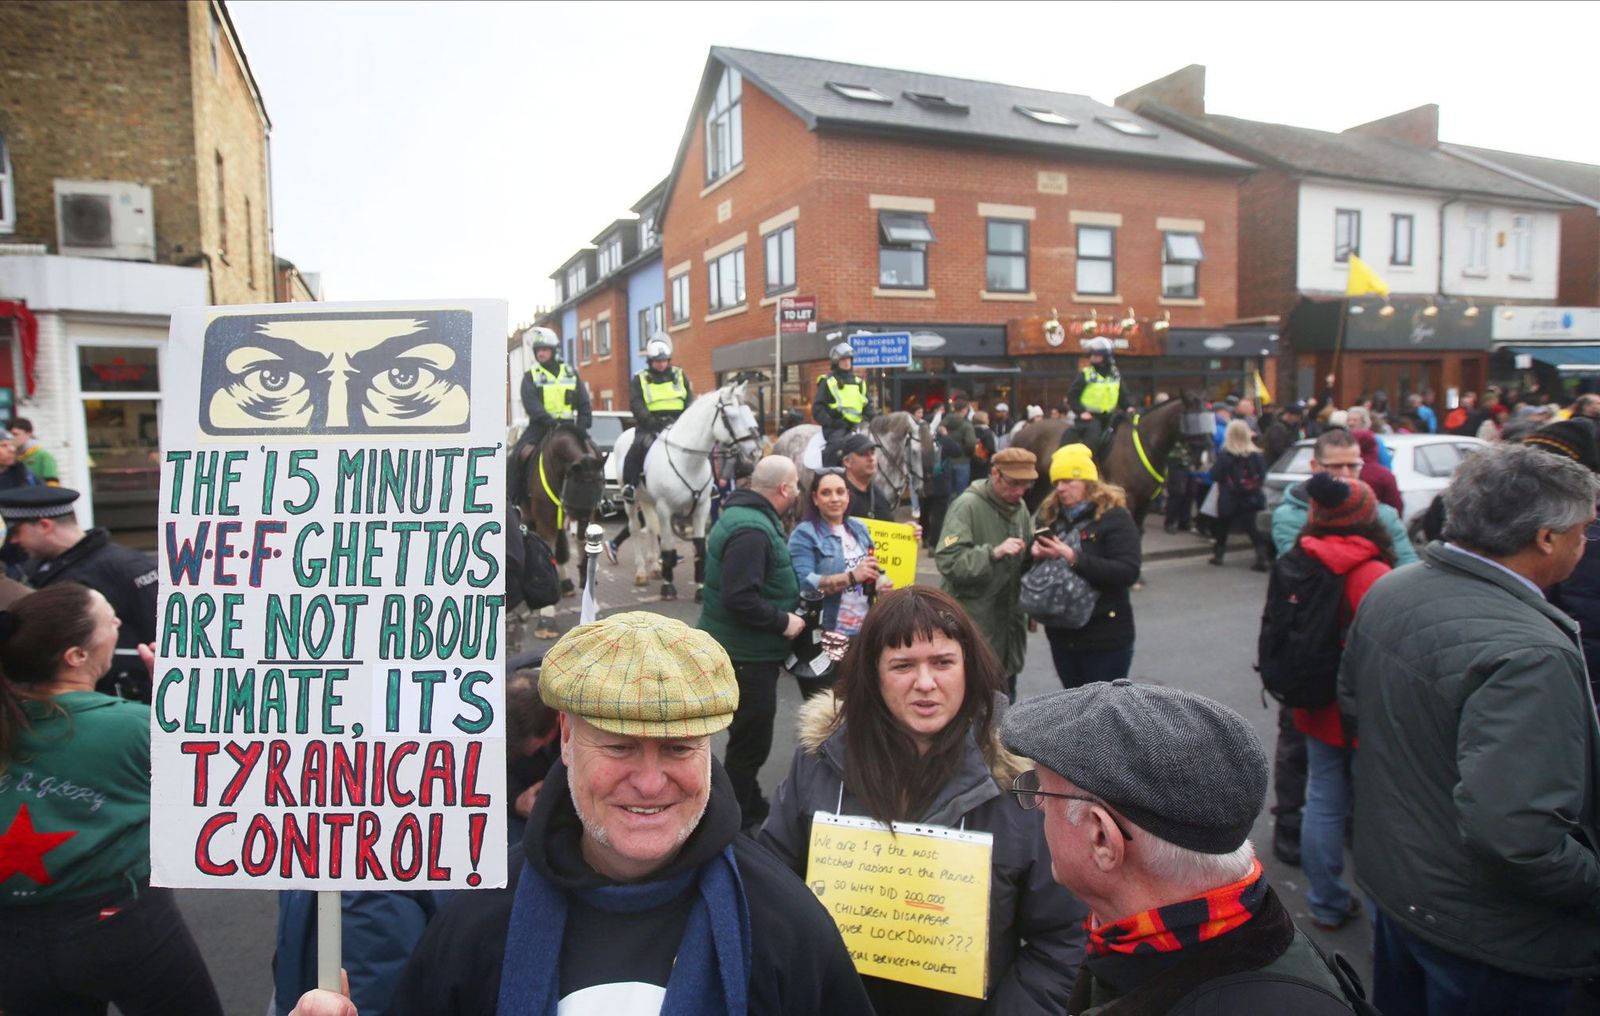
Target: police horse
(678, 478)
(562, 486)
(905, 451)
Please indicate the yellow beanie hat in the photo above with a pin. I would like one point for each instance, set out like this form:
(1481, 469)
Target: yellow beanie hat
(1073, 462)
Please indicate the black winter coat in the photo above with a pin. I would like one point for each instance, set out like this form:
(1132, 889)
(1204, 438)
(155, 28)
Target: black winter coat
(1579, 597)
(1111, 560)
(1241, 479)
(128, 579)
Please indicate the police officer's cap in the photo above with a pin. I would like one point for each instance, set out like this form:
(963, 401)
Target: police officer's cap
(26, 504)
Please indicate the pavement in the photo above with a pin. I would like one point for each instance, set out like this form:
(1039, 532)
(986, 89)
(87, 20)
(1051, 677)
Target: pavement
(1197, 629)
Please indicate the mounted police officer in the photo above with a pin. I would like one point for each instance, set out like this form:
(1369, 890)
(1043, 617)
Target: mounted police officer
(551, 393)
(1096, 396)
(657, 395)
(840, 404)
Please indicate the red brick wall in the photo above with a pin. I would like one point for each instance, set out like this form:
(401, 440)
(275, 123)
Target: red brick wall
(1580, 258)
(829, 176)
(601, 373)
(1269, 214)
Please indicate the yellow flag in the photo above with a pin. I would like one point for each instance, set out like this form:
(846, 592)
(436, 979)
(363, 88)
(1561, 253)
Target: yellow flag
(1262, 395)
(1364, 280)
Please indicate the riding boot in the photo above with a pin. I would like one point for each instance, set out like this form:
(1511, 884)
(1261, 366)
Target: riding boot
(1219, 547)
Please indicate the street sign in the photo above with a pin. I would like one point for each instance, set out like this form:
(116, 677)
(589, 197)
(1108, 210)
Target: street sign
(797, 314)
(881, 349)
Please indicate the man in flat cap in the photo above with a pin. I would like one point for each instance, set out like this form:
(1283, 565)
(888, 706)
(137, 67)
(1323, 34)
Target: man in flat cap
(1148, 796)
(635, 892)
(1477, 779)
(981, 553)
(41, 524)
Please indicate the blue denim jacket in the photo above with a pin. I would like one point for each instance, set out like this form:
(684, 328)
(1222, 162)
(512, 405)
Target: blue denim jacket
(817, 552)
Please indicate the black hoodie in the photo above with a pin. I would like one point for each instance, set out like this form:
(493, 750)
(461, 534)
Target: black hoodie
(798, 962)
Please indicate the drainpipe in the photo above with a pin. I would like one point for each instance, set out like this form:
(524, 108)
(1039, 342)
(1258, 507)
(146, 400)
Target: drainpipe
(211, 275)
(1447, 204)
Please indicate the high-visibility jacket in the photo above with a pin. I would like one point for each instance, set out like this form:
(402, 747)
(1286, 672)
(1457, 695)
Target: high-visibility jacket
(557, 390)
(670, 396)
(849, 401)
(1100, 394)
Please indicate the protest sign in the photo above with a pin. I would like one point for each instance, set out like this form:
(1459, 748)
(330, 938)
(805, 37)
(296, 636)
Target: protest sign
(895, 543)
(329, 684)
(912, 906)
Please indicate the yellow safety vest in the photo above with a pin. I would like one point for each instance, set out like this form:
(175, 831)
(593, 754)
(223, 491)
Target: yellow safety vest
(558, 391)
(1100, 395)
(664, 396)
(849, 401)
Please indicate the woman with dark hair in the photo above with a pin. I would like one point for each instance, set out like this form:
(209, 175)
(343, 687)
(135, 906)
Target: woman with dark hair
(914, 737)
(80, 924)
(834, 556)
(1342, 534)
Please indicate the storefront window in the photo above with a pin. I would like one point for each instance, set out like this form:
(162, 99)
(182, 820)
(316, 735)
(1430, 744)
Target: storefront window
(122, 420)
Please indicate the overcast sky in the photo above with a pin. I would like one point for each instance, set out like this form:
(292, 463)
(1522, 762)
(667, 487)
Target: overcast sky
(463, 150)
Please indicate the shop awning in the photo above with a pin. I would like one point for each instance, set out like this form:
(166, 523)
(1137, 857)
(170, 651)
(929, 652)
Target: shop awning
(1573, 359)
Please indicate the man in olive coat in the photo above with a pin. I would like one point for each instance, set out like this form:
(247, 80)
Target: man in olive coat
(983, 550)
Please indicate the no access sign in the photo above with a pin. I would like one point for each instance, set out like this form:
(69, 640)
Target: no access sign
(797, 314)
(881, 349)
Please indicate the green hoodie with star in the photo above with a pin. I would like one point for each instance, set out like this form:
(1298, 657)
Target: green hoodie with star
(75, 801)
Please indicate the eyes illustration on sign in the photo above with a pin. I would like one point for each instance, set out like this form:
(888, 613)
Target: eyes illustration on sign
(337, 375)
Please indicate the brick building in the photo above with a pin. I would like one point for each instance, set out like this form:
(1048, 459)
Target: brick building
(966, 212)
(1453, 240)
(133, 180)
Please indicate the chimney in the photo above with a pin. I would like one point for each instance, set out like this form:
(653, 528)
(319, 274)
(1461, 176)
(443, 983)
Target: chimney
(1183, 91)
(1418, 127)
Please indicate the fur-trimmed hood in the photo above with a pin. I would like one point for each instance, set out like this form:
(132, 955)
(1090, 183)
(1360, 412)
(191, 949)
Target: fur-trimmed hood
(820, 718)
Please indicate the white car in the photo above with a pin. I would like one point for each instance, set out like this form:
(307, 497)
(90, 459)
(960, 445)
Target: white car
(1423, 465)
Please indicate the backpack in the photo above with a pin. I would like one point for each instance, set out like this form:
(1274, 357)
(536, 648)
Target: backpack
(531, 575)
(1301, 637)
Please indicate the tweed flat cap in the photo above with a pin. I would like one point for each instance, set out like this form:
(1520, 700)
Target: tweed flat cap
(24, 504)
(1015, 464)
(642, 675)
(1178, 765)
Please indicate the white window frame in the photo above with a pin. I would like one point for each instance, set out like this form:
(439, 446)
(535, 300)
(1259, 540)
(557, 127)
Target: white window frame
(682, 303)
(782, 240)
(647, 229)
(577, 280)
(1171, 258)
(79, 420)
(1352, 241)
(602, 338)
(725, 126)
(1522, 246)
(1410, 240)
(610, 257)
(1079, 260)
(8, 201)
(990, 253)
(1477, 235)
(727, 267)
(586, 342)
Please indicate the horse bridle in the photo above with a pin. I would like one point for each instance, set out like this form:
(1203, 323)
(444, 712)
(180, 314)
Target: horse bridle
(913, 467)
(754, 437)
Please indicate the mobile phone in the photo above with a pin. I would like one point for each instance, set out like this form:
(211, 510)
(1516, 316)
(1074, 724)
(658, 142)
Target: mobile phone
(1041, 531)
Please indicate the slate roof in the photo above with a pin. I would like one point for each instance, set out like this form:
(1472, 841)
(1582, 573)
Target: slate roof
(801, 85)
(1349, 156)
(1565, 179)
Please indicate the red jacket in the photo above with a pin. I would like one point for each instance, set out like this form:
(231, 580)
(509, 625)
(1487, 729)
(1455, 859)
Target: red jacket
(1377, 475)
(1357, 559)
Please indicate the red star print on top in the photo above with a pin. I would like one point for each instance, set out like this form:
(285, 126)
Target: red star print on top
(22, 849)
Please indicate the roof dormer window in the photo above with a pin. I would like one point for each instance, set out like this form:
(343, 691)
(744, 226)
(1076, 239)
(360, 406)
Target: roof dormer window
(941, 103)
(1132, 128)
(859, 93)
(1048, 116)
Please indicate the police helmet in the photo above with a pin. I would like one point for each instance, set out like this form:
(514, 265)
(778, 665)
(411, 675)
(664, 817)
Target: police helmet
(842, 351)
(1100, 346)
(659, 347)
(543, 338)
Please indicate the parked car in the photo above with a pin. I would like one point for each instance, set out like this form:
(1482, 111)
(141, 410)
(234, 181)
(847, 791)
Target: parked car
(607, 426)
(1423, 465)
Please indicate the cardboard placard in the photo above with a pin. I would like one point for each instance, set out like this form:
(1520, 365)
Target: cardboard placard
(329, 684)
(912, 905)
(896, 545)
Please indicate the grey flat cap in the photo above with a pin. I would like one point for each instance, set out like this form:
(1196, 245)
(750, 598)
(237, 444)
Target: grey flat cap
(1179, 765)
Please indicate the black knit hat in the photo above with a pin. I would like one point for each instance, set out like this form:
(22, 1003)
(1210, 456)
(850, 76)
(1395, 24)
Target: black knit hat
(1178, 765)
(1573, 438)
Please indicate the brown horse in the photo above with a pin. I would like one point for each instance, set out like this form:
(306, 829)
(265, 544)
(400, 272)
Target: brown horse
(1158, 430)
(563, 483)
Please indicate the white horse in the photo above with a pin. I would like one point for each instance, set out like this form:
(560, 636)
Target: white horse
(678, 476)
(903, 446)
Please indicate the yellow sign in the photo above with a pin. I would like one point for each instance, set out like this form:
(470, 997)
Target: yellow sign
(911, 905)
(896, 546)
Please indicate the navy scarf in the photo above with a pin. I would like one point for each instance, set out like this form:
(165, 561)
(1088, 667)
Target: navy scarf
(710, 976)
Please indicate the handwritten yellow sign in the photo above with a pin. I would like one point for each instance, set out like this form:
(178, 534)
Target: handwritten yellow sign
(896, 547)
(912, 906)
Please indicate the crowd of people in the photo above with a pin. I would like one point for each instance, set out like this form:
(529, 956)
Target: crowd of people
(1448, 724)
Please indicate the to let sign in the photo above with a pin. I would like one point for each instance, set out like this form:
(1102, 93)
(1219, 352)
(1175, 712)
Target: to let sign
(881, 349)
(797, 314)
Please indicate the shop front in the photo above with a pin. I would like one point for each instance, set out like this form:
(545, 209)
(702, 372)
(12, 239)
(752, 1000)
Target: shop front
(1556, 349)
(1396, 347)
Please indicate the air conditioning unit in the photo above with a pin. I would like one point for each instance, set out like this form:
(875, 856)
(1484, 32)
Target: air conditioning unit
(105, 219)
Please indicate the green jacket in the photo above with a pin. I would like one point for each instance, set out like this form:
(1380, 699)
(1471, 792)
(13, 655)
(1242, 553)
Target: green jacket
(1477, 783)
(1290, 517)
(977, 522)
(962, 433)
(40, 463)
(84, 777)
(780, 587)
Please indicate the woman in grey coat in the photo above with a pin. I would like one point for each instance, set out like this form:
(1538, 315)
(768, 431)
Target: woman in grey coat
(914, 737)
